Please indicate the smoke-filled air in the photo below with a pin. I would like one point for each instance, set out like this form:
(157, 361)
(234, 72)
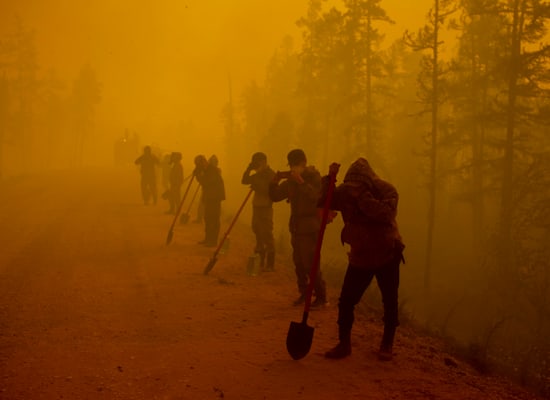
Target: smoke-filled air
(249, 199)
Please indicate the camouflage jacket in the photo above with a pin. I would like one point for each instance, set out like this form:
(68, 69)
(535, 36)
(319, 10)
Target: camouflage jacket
(259, 182)
(303, 197)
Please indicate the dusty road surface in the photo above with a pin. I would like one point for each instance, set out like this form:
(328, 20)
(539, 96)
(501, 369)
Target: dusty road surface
(93, 305)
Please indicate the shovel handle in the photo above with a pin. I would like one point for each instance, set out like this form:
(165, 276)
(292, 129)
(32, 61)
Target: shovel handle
(317, 255)
(179, 209)
(226, 234)
(193, 199)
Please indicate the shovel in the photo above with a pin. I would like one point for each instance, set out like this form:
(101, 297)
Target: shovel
(185, 217)
(171, 231)
(300, 334)
(214, 258)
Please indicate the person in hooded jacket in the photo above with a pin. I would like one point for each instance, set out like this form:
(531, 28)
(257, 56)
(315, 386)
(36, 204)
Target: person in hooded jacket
(262, 208)
(301, 188)
(209, 176)
(368, 206)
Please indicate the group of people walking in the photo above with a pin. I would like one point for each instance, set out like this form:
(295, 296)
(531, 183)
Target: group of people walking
(368, 206)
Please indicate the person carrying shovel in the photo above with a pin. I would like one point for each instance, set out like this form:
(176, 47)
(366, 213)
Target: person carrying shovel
(301, 188)
(368, 206)
(262, 208)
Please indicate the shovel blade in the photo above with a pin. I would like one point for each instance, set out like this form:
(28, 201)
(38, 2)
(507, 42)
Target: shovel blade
(299, 339)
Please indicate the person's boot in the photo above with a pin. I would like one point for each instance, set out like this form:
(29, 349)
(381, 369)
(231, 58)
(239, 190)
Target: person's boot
(343, 348)
(386, 346)
(270, 262)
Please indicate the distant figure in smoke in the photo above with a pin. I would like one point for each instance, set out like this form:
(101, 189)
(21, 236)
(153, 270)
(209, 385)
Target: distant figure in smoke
(301, 188)
(213, 193)
(262, 208)
(148, 161)
(166, 167)
(176, 181)
(368, 206)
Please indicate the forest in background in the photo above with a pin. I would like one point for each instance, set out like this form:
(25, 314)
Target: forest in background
(460, 128)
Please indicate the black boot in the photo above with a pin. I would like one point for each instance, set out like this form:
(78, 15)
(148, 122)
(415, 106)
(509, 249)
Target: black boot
(343, 348)
(386, 346)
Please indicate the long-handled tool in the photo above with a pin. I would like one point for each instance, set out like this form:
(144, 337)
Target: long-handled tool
(185, 217)
(214, 258)
(300, 334)
(171, 231)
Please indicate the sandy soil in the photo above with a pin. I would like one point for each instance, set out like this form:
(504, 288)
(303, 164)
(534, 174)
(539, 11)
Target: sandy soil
(93, 305)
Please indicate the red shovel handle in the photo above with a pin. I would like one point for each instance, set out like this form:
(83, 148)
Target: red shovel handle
(333, 171)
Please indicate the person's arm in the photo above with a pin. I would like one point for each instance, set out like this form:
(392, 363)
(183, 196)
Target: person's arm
(138, 160)
(278, 191)
(247, 179)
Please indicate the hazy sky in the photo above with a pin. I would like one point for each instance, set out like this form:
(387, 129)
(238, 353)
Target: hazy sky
(164, 61)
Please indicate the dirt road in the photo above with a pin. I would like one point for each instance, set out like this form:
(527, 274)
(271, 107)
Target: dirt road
(93, 305)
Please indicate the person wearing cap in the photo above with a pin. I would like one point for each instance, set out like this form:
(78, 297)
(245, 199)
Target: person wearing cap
(147, 162)
(301, 188)
(262, 208)
(209, 176)
(176, 181)
(368, 206)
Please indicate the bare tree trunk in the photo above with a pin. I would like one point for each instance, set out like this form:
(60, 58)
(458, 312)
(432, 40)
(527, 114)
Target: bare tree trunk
(508, 159)
(368, 88)
(432, 185)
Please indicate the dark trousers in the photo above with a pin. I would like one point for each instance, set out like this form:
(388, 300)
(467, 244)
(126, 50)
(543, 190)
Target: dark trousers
(212, 215)
(174, 198)
(262, 226)
(303, 251)
(356, 281)
(148, 189)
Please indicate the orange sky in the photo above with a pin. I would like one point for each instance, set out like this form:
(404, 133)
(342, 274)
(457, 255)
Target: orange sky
(166, 61)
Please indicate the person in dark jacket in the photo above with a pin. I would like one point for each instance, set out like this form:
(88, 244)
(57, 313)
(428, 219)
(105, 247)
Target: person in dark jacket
(209, 176)
(301, 188)
(368, 206)
(262, 208)
(148, 161)
(176, 181)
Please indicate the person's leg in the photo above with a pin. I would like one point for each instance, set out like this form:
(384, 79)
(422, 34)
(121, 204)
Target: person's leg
(309, 244)
(144, 191)
(212, 215)
(208, 225)
(265, 234)
(216, 223)
(153, 189)
(388, 282)
(268, 239)
(300, 268)
(256, 228)
(355, 283)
